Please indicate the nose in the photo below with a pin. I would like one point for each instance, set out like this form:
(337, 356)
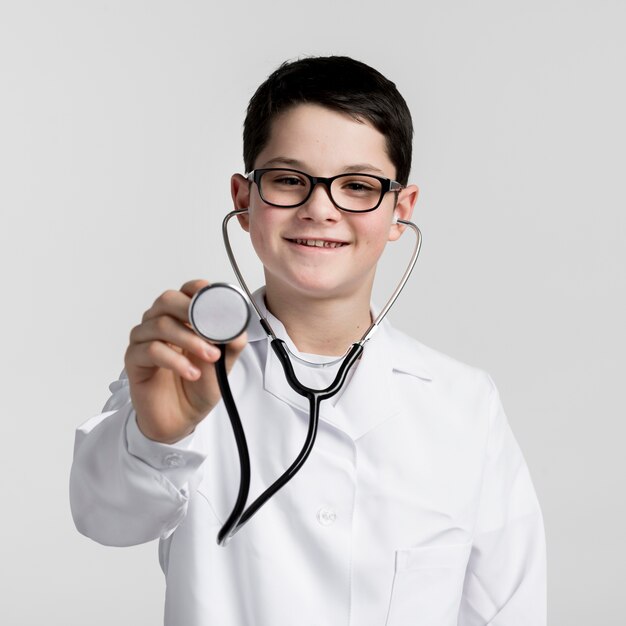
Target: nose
(319, 206)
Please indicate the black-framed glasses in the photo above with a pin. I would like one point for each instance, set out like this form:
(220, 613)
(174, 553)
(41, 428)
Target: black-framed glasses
(353, 192)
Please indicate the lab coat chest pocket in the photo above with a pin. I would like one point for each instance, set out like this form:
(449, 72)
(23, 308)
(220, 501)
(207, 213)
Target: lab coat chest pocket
(427, 585)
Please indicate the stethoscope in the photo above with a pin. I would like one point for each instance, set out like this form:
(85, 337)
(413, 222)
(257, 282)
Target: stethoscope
(221, 312)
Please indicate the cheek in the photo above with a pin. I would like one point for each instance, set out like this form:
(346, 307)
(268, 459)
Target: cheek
(375, 238)
(257, 238)
(261, 228)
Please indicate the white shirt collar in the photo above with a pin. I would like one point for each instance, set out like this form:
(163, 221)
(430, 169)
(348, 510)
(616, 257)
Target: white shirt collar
(403, 353)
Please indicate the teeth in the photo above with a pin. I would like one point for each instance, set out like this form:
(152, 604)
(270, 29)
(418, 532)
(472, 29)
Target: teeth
(319, 243)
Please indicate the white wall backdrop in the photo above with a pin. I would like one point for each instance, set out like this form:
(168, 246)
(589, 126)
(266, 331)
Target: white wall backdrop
(120, 125)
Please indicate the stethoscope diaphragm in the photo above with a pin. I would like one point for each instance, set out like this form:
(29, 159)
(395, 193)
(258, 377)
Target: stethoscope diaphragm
(219, 312)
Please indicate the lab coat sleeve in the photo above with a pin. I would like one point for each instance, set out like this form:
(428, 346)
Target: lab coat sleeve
(126, 489)
(505, 583)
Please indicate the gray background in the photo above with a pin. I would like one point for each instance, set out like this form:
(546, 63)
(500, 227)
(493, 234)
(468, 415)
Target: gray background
(120, 124)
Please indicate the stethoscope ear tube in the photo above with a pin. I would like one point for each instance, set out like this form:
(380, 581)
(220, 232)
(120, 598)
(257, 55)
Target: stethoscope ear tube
(379, 318)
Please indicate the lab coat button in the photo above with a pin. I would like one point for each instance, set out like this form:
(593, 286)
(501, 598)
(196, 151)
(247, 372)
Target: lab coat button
(326, 516)
(173, 460)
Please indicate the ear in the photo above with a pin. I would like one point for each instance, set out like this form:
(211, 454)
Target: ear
(240, 192)
(403, 210)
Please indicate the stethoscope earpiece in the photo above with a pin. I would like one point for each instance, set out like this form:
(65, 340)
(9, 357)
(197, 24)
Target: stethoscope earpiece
(219, 312)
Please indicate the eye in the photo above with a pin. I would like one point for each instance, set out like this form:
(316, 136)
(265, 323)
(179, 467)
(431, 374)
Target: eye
(288, 181)
(284, 179)
(359, 185)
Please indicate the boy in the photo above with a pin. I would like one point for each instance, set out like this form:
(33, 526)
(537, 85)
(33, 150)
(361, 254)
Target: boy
(415, 506)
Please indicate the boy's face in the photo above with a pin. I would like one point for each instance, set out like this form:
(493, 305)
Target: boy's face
(321, 142)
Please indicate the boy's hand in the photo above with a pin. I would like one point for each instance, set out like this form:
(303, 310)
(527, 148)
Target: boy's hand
(171, 370)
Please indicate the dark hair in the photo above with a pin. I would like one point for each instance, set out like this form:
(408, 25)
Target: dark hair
(338, 83)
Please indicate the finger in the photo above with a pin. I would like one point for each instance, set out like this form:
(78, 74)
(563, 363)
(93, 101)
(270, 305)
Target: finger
(169, 330)
(238, 344)
(171, 302)
(234, 348)
(192, 286)
(156, 354)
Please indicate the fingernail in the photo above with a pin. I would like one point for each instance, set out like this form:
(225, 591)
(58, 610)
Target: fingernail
(194, 372)
(211, 351)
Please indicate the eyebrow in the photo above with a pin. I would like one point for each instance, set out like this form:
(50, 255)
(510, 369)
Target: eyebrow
(355, 167)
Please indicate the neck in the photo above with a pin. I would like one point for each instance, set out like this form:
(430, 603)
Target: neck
(324, 326)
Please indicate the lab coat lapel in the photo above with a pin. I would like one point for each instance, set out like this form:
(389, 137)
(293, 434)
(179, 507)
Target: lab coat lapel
(274, 380)
(276, 383)
(368, 399)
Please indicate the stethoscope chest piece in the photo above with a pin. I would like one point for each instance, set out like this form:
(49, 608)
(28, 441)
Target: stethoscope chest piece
(219, 312)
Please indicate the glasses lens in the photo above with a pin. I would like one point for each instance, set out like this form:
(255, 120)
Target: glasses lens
(356, 192)
(283, 187)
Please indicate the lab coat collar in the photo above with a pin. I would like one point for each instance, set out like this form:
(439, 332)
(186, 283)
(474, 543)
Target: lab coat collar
(368, 399)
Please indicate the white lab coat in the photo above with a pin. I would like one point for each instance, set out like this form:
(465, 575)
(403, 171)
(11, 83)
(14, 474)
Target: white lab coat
(415, 507)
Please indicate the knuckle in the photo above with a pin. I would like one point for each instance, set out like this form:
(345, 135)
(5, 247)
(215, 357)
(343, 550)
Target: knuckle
(161, 323)
(171, 294)
(153, 349)
(167, 297)
(134, 332)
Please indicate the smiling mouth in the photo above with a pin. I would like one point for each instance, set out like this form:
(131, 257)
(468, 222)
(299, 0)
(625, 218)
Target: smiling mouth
(318, 243)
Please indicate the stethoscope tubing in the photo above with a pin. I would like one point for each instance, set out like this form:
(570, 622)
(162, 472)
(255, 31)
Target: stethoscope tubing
(230, 525)
(240, 515)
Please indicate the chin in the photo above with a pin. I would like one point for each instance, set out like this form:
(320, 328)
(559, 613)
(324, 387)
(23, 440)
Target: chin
(316, 282)
(325, 287)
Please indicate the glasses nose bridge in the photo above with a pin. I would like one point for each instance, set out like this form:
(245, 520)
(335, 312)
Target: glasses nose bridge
(321, 180)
